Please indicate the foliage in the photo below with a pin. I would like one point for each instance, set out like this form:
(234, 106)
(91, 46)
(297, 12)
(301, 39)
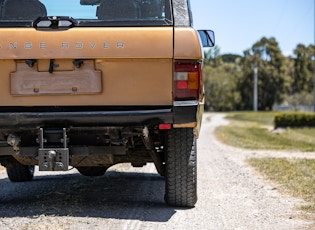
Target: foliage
(303, 78)
(212, 57)
(230, 58)
(303, 98)
(229, 78)
(295, 119)
(272, 79)
(221, 92)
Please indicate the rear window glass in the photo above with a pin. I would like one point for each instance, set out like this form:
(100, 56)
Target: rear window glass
(88, 12)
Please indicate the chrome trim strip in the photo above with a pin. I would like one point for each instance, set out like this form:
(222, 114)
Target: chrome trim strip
(185, 103)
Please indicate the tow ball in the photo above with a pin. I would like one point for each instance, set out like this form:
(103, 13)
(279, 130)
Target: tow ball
(53, 159)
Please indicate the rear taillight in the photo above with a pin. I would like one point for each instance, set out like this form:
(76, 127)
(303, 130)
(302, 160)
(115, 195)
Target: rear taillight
(186, 81)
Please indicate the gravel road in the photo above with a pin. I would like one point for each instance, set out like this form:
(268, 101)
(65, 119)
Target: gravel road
(231, 195)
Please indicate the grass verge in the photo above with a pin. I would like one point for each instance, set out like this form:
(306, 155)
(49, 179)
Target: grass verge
(254, 130)
(297, 176)
(262, 118)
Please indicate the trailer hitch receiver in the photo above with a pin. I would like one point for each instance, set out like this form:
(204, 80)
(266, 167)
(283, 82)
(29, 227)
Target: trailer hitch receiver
(51, 158)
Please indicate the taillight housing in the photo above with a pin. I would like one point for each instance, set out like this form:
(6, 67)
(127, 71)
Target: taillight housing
(187, 78)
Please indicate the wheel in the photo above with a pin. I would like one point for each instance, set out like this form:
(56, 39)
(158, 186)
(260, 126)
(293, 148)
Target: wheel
(20, 173)
(92, 171)
(181, 168)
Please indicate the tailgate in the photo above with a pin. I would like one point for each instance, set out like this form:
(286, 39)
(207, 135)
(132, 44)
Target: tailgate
(86, 66)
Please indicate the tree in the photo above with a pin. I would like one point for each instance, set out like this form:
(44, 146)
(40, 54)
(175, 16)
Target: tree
(220, 82)
(230, 58)
(212, 56)
(303, 69)
(273, 81)
(229, 78)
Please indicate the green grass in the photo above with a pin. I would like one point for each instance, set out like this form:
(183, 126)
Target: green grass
(297, 176)
(262, 118)
(253, 130)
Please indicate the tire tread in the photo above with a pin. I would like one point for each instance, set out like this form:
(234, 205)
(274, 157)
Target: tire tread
(181, 168)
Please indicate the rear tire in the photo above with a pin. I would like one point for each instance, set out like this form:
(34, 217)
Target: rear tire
(181, 168)
(92, 171)
(20, 173)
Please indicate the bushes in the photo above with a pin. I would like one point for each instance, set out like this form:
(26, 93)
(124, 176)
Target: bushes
(294, 119)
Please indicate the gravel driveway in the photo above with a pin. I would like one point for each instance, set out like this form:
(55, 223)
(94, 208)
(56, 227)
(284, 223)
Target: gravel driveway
(230, 196)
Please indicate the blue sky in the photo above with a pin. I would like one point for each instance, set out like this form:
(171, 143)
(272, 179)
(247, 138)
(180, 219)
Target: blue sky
(238, 24)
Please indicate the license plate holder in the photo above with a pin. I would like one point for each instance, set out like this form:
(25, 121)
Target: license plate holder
(30, 81)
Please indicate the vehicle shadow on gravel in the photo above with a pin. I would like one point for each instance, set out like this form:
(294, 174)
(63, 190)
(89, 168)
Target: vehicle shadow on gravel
(117, 195)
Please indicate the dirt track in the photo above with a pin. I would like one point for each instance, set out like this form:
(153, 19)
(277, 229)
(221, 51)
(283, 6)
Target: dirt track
(231, 196)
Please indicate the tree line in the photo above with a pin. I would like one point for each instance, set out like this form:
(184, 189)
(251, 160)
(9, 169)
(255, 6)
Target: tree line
(229, 79)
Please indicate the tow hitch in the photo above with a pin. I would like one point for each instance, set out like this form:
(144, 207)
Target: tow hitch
(53, 158)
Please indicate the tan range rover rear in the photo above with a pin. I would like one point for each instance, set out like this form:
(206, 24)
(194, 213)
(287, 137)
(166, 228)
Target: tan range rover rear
(94, 83)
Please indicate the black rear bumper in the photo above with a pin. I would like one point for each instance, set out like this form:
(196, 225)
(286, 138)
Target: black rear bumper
(95, 116)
